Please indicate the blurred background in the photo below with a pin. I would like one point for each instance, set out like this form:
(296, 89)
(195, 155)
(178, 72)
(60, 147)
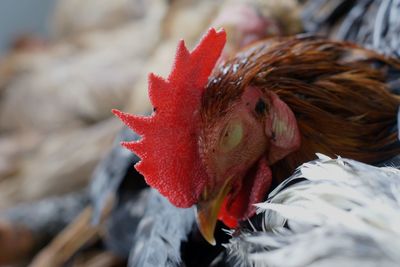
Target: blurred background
(18, 18)
(64, 64)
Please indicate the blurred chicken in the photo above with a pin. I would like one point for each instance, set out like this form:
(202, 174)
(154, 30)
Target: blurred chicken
(237, 128)
(247, 21)
(324, 215)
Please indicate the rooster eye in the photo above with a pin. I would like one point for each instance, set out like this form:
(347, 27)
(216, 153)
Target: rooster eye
(232, 136)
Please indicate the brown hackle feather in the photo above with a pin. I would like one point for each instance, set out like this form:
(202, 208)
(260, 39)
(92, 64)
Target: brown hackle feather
(337, 91)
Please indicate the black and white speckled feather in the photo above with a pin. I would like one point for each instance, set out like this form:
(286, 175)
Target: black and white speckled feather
(111, 172)
(161, 231)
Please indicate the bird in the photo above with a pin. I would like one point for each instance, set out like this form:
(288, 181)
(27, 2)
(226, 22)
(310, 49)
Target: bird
(223, 133)
(324, 215)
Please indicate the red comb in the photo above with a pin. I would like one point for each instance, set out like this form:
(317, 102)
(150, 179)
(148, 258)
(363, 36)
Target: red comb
(168, 149)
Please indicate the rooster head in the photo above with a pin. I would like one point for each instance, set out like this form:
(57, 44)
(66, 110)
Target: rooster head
(200, 147)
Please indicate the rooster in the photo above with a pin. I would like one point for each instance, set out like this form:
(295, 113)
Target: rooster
(223, 133)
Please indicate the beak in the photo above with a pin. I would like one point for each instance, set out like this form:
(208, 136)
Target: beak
(207, 213)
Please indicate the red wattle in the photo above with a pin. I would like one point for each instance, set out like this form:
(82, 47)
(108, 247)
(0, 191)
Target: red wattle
(255, 185)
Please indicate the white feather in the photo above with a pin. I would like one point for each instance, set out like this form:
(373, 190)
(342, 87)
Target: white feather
(339, 213)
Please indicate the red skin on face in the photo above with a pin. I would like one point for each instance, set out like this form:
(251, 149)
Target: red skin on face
(267, 138)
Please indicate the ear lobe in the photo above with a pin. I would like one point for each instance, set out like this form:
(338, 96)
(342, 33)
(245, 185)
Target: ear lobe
(281, 127)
